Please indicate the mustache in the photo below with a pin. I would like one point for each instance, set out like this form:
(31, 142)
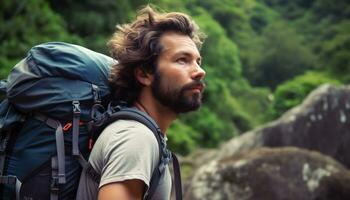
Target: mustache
(194, 84)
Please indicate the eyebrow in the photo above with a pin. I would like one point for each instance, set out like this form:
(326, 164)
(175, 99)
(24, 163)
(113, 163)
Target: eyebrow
(185, 53)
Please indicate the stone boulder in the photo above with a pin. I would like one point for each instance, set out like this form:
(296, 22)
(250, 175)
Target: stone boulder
(320, 123)
(287, 173)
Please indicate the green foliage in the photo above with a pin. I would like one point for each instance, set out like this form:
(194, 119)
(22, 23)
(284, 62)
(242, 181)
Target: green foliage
(210, 130)
(290, 9)
(324, 28)
(170, 5)
(283, 56)
(95, 21)
(182, 138)
(335, 51)
(226, 14)
(254, 101)
(220, 99)
(25, 24)
(292, 92)
(334, 11)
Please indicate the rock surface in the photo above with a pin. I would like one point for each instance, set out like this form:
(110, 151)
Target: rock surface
(271, 174)
(320, 123)
(290, 158)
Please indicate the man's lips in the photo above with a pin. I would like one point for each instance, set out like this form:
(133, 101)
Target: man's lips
(195, 85)
(199, 87)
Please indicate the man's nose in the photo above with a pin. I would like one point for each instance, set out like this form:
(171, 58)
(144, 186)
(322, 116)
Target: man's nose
(198, 72)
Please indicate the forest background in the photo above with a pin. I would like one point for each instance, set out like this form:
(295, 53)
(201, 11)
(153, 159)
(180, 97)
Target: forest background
(262, 57)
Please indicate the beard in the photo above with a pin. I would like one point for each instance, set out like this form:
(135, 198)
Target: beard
(176, 98)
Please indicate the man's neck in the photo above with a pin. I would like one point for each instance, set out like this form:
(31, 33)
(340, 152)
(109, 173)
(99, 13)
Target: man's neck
(162, 115)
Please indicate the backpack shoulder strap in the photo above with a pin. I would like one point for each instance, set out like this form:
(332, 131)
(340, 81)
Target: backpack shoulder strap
(177, 177)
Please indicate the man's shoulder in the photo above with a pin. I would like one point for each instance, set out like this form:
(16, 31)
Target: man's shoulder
(127, 131)
(125, 137)
(123, 125)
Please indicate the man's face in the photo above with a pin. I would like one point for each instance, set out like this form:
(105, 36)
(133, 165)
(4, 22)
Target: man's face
(178, 79)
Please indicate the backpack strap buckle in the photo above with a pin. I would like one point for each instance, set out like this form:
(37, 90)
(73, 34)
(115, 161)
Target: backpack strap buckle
(57, 178)
(54, 184)
(55, 181)
(76, 108)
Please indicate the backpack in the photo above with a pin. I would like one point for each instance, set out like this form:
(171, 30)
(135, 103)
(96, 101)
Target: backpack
(53, 111)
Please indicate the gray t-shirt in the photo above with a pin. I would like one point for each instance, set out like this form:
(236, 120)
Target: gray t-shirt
(125, 150)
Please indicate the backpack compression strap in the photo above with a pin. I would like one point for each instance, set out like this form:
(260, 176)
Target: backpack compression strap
(57, 162)
(164, 153)
(4, 139)
(9, 179)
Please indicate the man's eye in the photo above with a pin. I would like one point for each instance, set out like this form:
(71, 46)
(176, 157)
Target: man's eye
(181, 60)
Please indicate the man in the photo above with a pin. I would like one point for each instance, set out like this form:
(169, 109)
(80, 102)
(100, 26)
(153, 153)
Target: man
(159, 73)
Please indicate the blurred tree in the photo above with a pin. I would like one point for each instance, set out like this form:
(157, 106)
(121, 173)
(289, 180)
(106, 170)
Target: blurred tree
(210, 128)
(24, 24)
(283, 56)
(290, 9)
(254, 101)
(95, 21)
(335, 50)
(334, 11)
(182, 138)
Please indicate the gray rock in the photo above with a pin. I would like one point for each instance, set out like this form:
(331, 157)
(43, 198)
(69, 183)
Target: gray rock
(271, 174)
(241, 169)
(320, 123)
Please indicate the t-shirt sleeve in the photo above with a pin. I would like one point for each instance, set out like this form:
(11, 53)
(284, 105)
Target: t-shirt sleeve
(130, 153)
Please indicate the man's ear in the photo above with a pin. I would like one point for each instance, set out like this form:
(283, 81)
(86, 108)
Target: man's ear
(143, 77)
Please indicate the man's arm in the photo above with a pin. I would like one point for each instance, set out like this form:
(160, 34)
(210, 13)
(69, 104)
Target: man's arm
(126, 190)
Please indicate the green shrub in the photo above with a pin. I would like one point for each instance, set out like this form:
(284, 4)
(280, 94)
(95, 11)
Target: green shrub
(182, 138)
(293, 92)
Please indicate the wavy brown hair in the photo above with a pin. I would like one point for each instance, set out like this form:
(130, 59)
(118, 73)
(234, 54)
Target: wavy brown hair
(138, 45)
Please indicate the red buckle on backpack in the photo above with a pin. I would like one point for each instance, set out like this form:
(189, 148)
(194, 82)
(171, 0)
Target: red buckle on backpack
(69, 125)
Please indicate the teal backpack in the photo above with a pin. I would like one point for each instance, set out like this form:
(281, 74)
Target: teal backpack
(57, 101)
